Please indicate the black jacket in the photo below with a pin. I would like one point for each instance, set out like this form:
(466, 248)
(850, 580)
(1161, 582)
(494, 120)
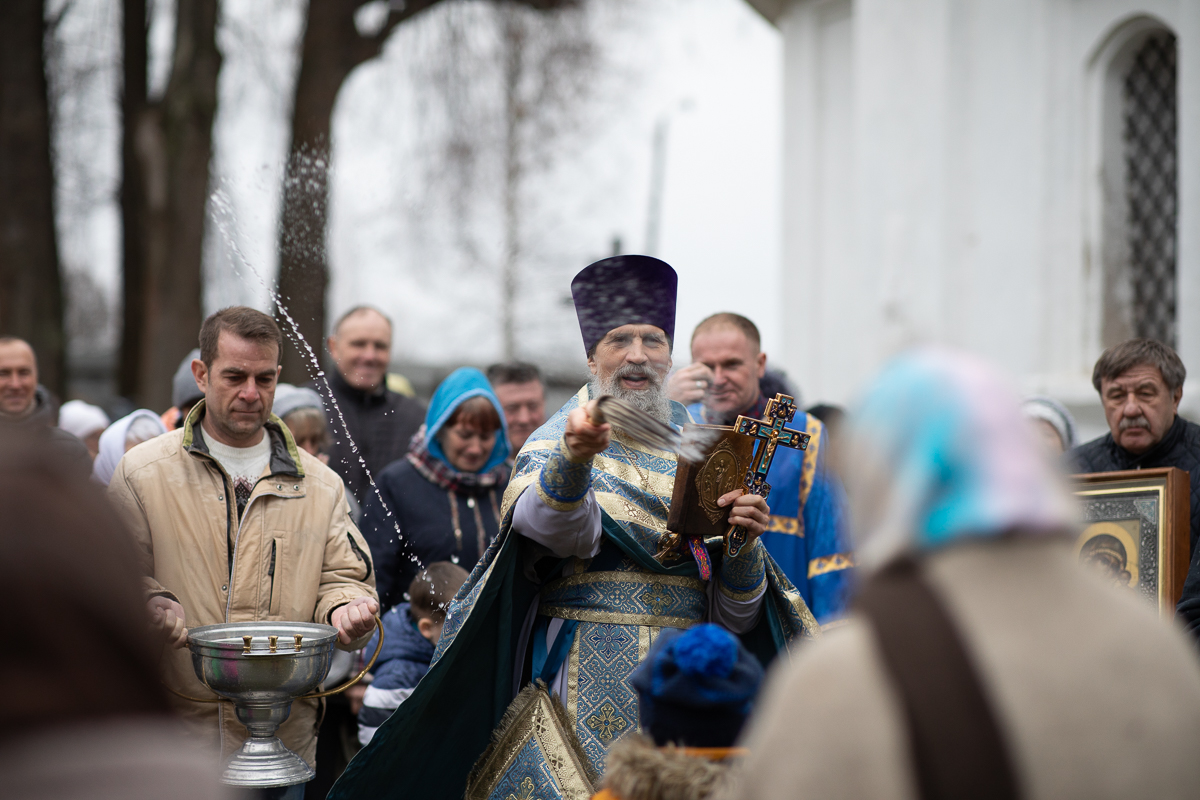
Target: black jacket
(1180, 447)
(42, 423)
(422, 510)
(381, 424)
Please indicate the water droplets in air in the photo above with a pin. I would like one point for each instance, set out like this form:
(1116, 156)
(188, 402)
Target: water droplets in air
(223, 218)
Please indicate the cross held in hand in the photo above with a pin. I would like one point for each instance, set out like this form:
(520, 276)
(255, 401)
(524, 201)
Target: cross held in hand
(770, 433)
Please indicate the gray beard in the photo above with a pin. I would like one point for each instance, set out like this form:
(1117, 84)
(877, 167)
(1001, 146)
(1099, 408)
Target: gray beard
(653, 400)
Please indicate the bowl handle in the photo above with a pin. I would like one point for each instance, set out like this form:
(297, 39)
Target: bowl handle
(359, 676)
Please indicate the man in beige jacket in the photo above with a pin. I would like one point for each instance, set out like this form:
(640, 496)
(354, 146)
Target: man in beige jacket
(235, 523)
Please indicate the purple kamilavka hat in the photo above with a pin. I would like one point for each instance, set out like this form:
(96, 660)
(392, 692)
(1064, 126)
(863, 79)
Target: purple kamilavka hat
(624, 290)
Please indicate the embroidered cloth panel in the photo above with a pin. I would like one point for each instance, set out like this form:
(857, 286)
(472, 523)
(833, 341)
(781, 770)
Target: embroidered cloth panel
(626, 598)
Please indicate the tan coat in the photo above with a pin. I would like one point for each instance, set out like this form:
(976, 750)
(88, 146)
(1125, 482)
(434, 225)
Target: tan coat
(179, 503)
(1096, 696)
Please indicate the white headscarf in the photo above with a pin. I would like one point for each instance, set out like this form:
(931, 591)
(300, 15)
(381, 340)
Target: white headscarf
(113, 441)
(81, 419)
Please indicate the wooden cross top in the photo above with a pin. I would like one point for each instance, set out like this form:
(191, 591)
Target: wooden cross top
(770, 433)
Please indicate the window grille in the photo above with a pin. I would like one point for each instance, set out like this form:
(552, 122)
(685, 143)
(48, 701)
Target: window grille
(1151, 186)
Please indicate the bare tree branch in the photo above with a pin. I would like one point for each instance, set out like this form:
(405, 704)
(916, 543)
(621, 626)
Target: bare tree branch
(332, 48)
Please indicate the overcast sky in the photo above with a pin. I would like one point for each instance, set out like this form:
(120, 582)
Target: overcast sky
(710, 68)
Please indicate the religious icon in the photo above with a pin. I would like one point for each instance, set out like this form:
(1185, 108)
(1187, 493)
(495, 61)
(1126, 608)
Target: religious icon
(741, 457)
(1137, 531)
(698, 485)
(1110, 550)
(721, 473)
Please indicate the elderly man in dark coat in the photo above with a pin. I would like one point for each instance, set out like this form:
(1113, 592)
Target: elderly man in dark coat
(381, 422)
(1140, 384)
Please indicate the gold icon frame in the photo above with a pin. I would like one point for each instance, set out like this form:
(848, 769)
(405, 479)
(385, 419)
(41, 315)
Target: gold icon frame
(1158, 501)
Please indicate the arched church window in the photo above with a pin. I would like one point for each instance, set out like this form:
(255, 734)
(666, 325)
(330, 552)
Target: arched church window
(1149, 124)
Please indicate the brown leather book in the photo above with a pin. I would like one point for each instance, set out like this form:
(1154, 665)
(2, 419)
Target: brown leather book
(694, 509)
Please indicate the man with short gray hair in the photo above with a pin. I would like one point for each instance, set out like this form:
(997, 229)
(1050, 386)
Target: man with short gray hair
(380, 421)
(1140, 384)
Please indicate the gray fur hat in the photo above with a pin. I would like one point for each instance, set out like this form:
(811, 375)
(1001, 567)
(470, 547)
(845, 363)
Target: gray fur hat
(289, 398)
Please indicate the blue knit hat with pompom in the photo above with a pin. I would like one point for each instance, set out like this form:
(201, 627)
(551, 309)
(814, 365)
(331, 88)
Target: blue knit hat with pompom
(696, 687)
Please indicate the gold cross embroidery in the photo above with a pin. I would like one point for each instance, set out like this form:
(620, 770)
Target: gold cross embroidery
(526, 789)
(656, 598)
(607, 722)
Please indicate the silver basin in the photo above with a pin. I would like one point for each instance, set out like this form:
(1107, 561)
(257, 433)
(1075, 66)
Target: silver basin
(262, 667)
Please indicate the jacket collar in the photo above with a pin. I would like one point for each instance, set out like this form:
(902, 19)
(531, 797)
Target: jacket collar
(1156, 453)
(285, 457)
(341, 387)
(637, 769)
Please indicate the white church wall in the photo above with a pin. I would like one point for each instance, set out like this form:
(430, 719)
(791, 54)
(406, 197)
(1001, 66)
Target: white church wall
(943, 183)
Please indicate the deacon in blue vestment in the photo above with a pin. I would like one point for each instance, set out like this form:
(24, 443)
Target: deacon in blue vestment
(807, 534)
(577, 585)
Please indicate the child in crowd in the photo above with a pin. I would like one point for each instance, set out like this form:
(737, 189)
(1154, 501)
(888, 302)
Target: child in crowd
(411, 631)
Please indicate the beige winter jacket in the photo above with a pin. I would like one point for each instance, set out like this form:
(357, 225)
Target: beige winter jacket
(1097, 697)
(296, 555)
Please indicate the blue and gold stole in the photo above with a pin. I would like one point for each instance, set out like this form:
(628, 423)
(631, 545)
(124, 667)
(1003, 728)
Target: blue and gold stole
(614, 611)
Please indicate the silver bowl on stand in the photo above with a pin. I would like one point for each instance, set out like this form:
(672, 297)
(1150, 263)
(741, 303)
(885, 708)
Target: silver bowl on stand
(261, 667)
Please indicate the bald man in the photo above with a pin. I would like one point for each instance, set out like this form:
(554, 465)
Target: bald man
(381, 422)
(24, 404)
(21, 399)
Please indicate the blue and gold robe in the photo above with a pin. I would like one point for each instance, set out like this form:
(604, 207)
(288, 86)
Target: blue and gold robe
(614, 605)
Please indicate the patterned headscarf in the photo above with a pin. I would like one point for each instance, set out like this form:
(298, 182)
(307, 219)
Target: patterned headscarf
(940, 452)
(425, 452)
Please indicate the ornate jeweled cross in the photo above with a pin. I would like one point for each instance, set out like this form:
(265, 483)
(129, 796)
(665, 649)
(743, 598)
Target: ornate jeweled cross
(770, 434)
(607, 723)
(656, 598)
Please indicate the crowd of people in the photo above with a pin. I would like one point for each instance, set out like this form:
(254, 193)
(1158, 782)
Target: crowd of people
(909, 580)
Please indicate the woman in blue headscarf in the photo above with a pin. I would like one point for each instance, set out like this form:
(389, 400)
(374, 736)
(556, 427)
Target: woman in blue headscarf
(441, 502)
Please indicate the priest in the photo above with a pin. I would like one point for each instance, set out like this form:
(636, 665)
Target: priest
(579, 582)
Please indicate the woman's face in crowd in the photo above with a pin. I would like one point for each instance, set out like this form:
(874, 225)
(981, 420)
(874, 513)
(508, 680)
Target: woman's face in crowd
(466, 447)
(308, 433)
